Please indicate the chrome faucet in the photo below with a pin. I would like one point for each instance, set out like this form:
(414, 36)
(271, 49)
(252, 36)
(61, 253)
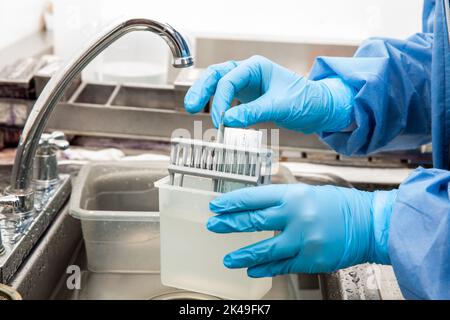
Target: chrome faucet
(20, 194)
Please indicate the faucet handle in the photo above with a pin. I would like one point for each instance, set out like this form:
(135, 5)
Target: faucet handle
(45, 170)
(53, 141)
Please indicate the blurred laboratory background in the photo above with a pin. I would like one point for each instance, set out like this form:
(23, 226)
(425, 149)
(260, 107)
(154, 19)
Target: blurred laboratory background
(137, 57)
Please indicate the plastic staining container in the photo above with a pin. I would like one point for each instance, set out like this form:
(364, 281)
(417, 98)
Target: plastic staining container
(191, 255)
(117, 204)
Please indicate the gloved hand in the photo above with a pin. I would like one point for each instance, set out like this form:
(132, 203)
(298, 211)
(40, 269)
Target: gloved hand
(269, 92)
(323, 228)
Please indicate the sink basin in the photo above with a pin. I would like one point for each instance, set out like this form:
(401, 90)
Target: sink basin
(120, 286)
(109, 192)
(149, 111)
(49, 267)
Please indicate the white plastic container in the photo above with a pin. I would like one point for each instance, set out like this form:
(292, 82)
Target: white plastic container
(117, 204)
(192, 256)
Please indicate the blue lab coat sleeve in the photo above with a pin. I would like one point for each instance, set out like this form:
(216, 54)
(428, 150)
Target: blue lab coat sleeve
(419, 236)
(392, 106)
(392, 111)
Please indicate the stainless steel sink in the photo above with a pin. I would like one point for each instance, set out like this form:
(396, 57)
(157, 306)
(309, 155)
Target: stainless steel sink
(48, 269)
(124, 285)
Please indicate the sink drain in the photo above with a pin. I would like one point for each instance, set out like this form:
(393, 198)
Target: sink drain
(183, 295)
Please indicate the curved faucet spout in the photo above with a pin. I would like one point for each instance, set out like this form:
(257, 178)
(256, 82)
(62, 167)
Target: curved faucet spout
(42, 109)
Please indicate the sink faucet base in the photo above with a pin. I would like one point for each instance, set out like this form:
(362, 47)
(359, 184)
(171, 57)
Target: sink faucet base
(23, 203)
(20, 239)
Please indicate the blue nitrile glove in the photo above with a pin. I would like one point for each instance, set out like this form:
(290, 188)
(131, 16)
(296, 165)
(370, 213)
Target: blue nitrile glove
(323, 228)
(271, 93)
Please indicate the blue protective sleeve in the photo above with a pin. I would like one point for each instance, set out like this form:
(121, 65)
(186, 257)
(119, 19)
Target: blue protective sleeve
(419, 236)
(393, 100)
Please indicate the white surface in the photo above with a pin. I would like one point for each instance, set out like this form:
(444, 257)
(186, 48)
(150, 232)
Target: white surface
(108, 154)
(19, 19)
(77, 21)
(310, 20)
(132, 72)
(192, 256)
(342, 21)
(93, 155)
(323, 21)
(354, 174)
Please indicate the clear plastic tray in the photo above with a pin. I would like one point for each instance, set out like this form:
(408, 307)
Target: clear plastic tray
(117, 204)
